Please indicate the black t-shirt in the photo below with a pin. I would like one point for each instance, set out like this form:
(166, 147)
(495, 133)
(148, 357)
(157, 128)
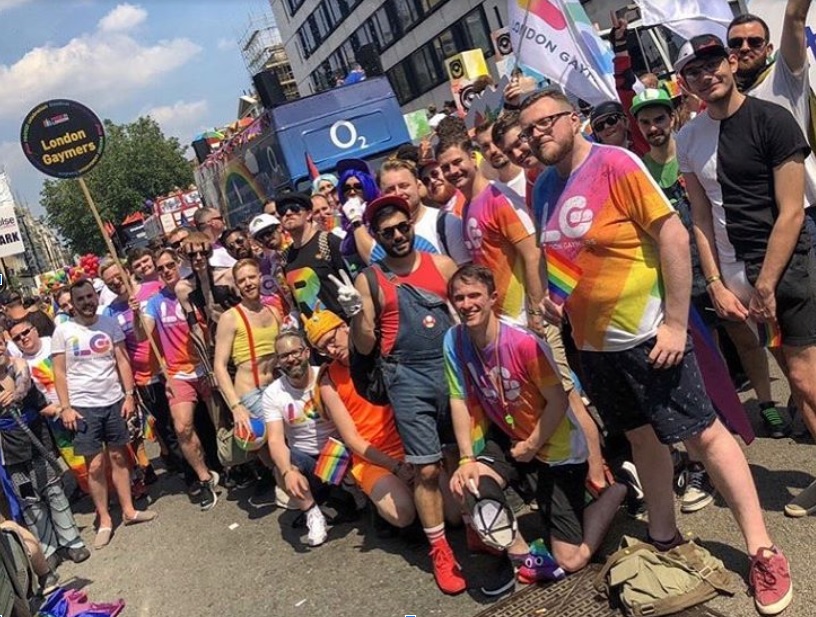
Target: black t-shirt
(307, 272)
(15, 443)
(746, 147)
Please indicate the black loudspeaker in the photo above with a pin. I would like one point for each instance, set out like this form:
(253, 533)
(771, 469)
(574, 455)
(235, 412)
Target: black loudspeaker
(202, 149)
(369, 58)
(269, 89)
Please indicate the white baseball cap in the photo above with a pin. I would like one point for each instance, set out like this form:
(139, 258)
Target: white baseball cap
(261, 222)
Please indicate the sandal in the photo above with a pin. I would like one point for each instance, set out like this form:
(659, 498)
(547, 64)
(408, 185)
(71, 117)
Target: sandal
(141, 516)
(103, 537)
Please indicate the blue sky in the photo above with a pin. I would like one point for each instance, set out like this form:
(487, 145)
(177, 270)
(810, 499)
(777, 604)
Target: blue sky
(177, 60)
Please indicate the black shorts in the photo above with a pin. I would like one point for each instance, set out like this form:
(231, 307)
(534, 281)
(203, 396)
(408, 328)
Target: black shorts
(795, 299)
(629, 393)
(100, 426)
(560, 495)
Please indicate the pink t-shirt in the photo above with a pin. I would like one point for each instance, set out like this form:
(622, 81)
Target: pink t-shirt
(174, 336)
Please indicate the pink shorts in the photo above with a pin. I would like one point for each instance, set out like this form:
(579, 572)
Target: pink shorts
(188, 391)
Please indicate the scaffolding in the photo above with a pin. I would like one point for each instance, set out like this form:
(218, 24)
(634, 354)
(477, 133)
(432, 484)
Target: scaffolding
(262, 50)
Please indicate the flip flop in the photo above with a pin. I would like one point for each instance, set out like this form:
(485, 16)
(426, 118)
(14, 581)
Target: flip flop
(141, 516)
(103, 537)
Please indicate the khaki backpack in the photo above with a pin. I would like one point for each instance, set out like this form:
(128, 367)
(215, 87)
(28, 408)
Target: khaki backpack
(650, 583)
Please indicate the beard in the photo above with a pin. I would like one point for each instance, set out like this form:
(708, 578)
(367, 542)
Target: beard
(658, 139)
(400, 250)
(296, 371)
(554, 152)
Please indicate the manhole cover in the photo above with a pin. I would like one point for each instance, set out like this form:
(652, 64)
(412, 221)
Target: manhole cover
(573, 597)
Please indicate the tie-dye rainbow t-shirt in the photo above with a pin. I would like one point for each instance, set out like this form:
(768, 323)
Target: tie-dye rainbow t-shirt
(165, 310)
(41, 367)
(493, 223)
(598, 219)
(527, 371)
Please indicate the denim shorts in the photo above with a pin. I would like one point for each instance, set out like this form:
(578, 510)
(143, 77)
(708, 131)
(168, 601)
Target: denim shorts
(100, 425)
(306, 464)
(629, 393)
(418, 394)
(253, 401)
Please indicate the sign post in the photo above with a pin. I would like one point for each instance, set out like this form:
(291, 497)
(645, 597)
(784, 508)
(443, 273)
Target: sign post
(65, 139)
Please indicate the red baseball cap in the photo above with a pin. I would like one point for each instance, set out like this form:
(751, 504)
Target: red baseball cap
(381, 202)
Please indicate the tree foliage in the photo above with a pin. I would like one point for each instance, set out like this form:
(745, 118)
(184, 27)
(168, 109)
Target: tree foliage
(139, 163)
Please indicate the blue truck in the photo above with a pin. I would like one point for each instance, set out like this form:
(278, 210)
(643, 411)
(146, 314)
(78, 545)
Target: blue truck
(361, 120)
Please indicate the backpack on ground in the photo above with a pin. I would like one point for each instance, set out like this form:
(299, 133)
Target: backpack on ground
(646, 582)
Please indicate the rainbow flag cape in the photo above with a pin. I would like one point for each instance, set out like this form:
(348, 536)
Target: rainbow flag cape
(562, 276)
(769, 334)
(333, 462)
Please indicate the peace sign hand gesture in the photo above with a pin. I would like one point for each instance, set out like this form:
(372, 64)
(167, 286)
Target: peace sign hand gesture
(347, 295)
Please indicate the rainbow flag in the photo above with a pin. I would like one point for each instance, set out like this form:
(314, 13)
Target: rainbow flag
(333, 462)
(770, 335)
(562, 276)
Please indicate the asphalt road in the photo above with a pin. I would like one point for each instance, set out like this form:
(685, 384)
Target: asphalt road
(239, 561)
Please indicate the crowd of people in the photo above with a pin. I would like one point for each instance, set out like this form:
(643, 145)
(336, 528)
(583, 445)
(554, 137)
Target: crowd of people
(449, 321)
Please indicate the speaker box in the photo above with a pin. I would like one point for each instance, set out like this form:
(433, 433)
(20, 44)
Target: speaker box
(369, 58)
(467, 65)
(501, 42)
(269, 89)
(463, 93)
(202, 149)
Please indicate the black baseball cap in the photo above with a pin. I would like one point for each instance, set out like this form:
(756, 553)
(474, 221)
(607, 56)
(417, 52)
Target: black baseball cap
(300, 199)
(607, 108)
(702, 46)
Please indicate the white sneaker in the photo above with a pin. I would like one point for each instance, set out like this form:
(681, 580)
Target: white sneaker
(316, 523)
(698, 492)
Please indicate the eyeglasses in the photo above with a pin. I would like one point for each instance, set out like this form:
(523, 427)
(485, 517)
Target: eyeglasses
(286, 208)
(353, 188)
(194, 254)
(754, 42)
(436, 174)
(388, 233)
(168, 267)
(696, 72)
(23, 333)
(606, 123)
(237, 240)
(329, 346)
(265, 233)
(543, 125)
(290, 354)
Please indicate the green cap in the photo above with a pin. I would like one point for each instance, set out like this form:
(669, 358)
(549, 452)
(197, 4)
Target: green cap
(651, 96)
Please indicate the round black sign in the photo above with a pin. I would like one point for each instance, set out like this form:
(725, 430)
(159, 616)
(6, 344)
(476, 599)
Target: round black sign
(62, 138)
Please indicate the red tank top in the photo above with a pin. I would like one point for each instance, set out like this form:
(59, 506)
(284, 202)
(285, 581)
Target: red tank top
(426, 277)
(374, 423)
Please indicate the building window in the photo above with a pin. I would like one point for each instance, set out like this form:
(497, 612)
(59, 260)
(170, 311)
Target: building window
(476, 31)
(293, 6)
(400, 83)
(362, 36)
(321, 20)
(429, 5)
(383, 27)
(425, 67)
(406, 13)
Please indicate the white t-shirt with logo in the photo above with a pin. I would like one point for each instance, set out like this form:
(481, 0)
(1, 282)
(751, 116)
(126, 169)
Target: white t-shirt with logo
(90, 361)
(306, 430)
(41, 368)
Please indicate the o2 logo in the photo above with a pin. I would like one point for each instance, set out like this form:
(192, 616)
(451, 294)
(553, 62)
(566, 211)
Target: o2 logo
(99, 345)
(343, 134)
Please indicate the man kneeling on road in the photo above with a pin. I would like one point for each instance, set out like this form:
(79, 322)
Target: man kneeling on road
(505, 387)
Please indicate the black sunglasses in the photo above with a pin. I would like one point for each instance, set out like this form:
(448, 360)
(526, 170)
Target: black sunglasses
(388, 232)
(285, 208)
(194, 254)
(357, 188)
(607, 122)
(21, 335)
(754, 42)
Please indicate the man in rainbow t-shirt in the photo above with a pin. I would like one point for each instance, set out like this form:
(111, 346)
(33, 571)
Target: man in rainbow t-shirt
(601, 213)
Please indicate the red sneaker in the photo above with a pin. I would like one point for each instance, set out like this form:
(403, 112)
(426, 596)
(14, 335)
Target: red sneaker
(476, 545)
(447, 572)
(770, 581)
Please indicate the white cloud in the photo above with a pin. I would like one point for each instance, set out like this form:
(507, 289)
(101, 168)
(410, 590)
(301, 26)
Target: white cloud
(226, 44)
(98, 68)
(181, 119)
(10, 4)
(124, 17)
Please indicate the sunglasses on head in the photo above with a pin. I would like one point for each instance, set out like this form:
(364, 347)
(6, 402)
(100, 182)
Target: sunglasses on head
(21, 335)
(607, 122)
(284, 209)
(754, 42)
(388, 232)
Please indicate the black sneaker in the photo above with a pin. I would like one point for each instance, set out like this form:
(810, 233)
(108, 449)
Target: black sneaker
(208, 496)
(244, 477)
(499, 577)
(263, 496)
(775, 424)
(49, 582)
(77, 555)
(228, 481)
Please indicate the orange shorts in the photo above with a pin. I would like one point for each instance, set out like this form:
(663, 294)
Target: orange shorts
(367, 474)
